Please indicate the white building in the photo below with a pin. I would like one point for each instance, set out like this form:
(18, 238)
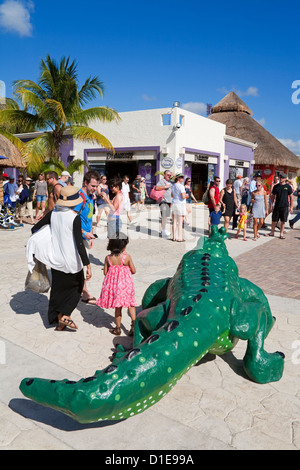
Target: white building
(155, 140)
(151, 141)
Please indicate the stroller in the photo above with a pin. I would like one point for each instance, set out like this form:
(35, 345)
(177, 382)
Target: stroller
(7, 218)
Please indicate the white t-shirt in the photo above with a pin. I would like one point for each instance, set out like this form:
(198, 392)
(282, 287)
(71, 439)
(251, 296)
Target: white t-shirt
(125, 190)
(237, 186)
(177, 190)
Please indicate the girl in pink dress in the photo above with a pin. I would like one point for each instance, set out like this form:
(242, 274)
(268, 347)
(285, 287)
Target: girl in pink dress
(118, 288)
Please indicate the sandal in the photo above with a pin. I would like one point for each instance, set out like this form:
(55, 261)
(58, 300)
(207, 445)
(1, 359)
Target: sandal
(69, 323)
(115, 331)
(60, 328)
(90, 301)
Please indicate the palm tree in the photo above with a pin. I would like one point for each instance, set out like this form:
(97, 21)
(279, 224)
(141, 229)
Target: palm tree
(54, 106)
(59, 167)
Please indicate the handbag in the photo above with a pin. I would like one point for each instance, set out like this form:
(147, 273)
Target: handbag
(38, 281)
(205, 197)
(157, 195)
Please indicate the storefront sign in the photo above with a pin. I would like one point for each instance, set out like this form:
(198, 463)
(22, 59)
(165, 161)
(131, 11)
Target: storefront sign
(167, 163)
(119, 156)
(201, 158)
(179, 162)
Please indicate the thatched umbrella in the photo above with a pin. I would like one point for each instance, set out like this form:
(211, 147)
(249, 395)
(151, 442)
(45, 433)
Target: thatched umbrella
(12, 159)
(236, 115)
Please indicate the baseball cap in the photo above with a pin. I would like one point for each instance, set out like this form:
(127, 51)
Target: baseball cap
(65, 173)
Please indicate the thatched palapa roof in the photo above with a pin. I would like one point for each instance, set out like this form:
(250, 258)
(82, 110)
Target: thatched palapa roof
(237, 117)
(13, 155)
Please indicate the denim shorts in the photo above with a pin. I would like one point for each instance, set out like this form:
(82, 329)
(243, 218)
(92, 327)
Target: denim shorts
(41, 198)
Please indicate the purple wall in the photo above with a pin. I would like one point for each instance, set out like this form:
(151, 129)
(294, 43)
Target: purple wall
(237, 152)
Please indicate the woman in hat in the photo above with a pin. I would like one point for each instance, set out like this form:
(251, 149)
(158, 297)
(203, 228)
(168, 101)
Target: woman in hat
(57, 242)
(179, 197)
(144, 192)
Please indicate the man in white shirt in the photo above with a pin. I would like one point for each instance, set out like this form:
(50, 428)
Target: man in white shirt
(125, 192)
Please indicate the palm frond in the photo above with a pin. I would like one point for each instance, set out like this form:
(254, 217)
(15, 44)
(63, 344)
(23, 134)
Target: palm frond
(35, 152)
(30, 86)
(75, 165)
(102, 113)
(13, 139)
(30, 100)
(57, 107)
(52, 164)
(87, 134)
(11, 104)
(26, 121)
(90, 90)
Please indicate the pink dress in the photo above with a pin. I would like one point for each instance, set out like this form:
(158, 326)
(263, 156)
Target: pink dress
(118, 288)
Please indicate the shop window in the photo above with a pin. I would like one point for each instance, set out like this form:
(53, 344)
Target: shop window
(235, 171)
(166, 120)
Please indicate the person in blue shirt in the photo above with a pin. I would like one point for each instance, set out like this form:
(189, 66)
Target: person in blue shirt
(64, 178)
(11, 193)
(86, 210)
(215, 216)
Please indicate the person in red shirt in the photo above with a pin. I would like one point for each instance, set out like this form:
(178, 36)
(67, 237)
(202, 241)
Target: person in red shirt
(214, 193)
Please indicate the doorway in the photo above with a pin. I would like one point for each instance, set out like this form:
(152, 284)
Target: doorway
(121, 168)
(199, 179)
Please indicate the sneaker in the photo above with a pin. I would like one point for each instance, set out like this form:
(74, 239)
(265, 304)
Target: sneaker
(164, 233)
(291, 224)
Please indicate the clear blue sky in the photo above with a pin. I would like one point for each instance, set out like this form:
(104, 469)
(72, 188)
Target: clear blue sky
(149, 54)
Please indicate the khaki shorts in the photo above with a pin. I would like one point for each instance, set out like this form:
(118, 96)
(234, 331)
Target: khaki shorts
(26, 210)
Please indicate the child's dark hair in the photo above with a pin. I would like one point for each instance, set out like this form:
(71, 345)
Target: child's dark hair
(116, 245)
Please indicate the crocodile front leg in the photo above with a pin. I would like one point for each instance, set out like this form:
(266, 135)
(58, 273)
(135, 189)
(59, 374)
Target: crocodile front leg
(150, 320)
(156, 293)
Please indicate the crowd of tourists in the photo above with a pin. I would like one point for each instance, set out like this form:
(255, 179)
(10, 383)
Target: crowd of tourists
(63, 231)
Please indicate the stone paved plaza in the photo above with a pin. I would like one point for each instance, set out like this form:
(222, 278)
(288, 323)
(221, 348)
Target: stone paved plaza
(214, 406)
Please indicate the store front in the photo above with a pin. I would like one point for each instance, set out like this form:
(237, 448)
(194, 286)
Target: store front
(201, 168)
(129, 162)
(239, 158)
(268, 173)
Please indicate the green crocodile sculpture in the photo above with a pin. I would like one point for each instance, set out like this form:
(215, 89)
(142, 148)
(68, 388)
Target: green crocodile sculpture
(204, 308)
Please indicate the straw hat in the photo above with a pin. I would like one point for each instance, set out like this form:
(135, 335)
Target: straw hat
(69, 197)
